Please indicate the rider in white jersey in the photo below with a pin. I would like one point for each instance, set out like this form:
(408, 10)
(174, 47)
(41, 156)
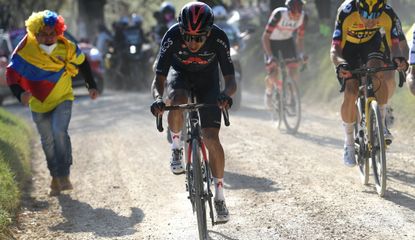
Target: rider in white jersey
(284, 24)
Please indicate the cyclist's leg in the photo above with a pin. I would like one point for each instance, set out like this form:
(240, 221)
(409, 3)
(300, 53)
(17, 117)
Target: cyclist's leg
(210, 119)
(210, 123)
(217, 165)
(348, 108)
(383, 82)
(177, 95)
(272, 79)
(289, 53)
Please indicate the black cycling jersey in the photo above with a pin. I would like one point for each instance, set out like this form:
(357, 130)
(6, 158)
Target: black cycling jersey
(174, 53)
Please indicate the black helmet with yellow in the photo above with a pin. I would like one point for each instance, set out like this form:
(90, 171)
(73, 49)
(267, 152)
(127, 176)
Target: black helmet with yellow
(370, 9)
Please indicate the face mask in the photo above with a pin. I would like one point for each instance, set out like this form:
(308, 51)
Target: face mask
(48, 48)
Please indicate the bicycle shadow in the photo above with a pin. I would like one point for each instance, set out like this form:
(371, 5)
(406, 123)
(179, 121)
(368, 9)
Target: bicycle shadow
(236, 181)
(252, 112)
(220, 235)
(82, 217)
(324, 141)
(398, 197)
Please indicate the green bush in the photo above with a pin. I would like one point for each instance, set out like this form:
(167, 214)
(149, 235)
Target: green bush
(15, 138)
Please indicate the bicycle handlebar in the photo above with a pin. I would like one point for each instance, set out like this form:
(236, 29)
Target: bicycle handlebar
(191, 107)
(372, 70)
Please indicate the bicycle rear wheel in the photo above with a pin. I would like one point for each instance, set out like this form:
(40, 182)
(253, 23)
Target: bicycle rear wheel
(377, 142)
(277, 106)
(360, 145)
(199, 190)
(291, 106)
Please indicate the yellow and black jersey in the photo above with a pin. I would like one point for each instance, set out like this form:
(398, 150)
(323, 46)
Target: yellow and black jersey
(350, 28)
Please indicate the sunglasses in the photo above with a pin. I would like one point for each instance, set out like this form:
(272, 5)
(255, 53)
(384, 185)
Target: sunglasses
(373, 15)
(194, 38)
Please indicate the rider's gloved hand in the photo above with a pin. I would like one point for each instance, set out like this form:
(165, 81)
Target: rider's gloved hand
(401, 63)
(303, 58)
(224, 101)
(157, 107)
(270, 63)
(342, 71)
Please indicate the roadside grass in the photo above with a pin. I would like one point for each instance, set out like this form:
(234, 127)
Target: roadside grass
(15, 138)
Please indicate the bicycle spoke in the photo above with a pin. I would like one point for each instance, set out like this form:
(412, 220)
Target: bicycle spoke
(291, 107)
(378, 149)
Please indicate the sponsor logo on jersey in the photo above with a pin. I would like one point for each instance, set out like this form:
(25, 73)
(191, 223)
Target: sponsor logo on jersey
(288, 24)
(221, 42)
(348, 8)
(165, 45)
(395, 32)
(337, 33)
(196, 60)
(362, 34)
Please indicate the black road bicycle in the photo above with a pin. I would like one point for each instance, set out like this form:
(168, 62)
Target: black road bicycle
(286, 100)
(369, 134)
(198, 173)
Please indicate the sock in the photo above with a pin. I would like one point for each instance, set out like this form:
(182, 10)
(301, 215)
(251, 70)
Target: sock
(218, 182)
(382, 109)
(349, 133)
(176, 140)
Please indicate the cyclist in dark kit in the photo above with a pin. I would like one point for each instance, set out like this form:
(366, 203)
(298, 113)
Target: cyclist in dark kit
(189, 55)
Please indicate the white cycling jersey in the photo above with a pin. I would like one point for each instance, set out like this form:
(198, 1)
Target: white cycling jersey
(281, 27)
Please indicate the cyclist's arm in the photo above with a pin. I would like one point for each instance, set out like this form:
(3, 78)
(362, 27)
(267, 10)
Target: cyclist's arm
(336, 54)
(266, 43)
(230, 85)
(157, 87)
(300, 35)
(271, 25)
(403, 45)
(394, 34)
(226, 64)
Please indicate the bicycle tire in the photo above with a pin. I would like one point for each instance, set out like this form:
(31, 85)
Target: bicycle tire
(360, 143)
(291, 107)
(377, 154)
(199, 190)
(276, 105)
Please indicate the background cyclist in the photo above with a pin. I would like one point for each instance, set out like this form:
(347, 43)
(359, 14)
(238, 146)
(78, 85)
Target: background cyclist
(279, 36)
(192, 50)
(356, 39)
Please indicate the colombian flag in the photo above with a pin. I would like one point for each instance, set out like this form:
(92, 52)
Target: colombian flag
(47, 77)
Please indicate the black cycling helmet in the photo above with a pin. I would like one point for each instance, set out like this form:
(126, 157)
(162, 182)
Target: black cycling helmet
(167, 7)
(196, 18)
(295, 5)
(370, 9)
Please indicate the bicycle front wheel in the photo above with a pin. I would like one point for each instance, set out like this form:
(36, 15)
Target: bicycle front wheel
(360, 143)
(377, 142)
(199, 190)
(291, 106)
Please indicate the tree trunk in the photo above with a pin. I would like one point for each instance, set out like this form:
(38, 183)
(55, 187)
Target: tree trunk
(91, 14)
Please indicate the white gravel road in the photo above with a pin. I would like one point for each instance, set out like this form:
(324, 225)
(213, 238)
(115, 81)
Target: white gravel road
(278, 186)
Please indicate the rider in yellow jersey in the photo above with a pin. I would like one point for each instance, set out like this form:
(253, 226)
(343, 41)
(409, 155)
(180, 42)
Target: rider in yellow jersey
(357, 40)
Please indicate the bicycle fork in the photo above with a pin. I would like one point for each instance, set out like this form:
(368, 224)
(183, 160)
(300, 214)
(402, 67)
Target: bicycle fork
(207, 195)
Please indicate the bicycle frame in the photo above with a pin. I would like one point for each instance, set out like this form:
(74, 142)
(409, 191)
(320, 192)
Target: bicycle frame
(369, 93)
(196, 173)
(369, 141)
(288, 89)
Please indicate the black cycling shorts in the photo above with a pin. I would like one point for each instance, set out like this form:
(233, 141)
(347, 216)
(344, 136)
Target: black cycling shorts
(358, 54)
(287, 48)
(206, 89)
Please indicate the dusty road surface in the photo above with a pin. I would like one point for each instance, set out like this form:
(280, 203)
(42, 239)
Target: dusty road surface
(278, 186)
